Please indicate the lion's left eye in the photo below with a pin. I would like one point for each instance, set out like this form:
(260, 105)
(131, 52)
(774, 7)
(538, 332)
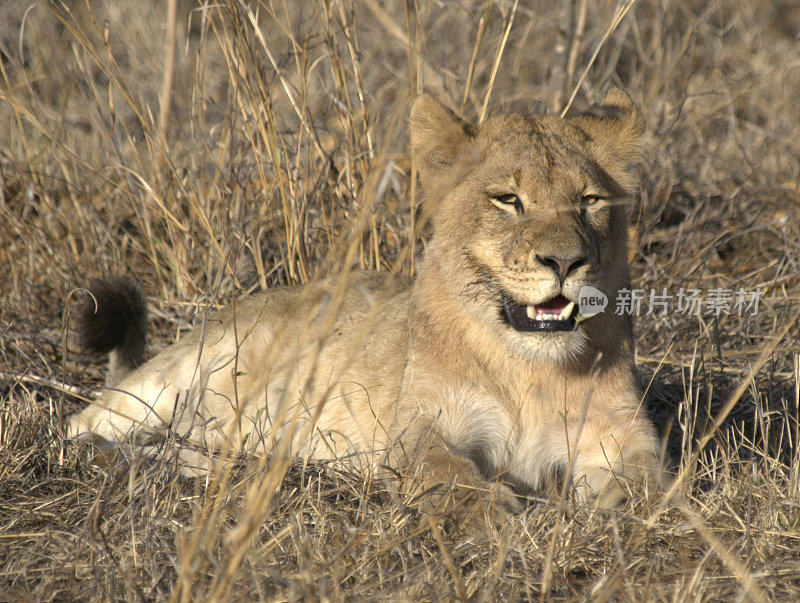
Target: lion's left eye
(588, 200)
(510, 201)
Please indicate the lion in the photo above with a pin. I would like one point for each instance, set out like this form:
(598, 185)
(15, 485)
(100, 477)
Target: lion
(482, 374)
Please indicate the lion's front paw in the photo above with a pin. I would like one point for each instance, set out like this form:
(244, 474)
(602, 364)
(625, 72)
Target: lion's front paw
(613, 489)
(474, 508)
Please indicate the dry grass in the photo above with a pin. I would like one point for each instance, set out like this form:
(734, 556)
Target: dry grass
(282, 147)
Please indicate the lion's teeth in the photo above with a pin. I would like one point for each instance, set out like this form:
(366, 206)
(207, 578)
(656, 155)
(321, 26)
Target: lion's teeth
(567, 311)
(540, 316)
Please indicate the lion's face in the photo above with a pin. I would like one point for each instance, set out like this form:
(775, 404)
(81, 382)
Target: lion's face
(528, 210)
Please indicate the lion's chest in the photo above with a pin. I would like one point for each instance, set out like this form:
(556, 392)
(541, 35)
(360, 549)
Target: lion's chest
(522, 441)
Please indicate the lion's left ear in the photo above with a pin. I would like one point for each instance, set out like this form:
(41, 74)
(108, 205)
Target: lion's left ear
(614, 128)
(439, 137)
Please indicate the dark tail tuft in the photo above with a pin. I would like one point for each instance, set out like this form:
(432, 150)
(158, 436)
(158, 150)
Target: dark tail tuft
(113, 320)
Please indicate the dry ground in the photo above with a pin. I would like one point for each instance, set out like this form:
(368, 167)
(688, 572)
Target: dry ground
(274, 141)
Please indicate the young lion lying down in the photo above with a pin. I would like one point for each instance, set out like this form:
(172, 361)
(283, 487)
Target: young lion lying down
(479, 375)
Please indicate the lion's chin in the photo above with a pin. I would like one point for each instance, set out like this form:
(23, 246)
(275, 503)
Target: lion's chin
(559, 347)
(548, 331)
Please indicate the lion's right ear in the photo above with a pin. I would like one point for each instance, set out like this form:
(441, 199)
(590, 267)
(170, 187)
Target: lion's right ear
(614, 128)
(438, 136)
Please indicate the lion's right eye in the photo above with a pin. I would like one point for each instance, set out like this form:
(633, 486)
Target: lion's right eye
(508, 202)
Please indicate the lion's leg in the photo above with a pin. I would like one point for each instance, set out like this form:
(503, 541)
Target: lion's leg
(196, 401)
(171, 390)
(118, 414)
(441, 483)
(615, 461)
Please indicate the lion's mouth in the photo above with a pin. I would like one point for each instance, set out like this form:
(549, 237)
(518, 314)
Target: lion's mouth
(556, 314)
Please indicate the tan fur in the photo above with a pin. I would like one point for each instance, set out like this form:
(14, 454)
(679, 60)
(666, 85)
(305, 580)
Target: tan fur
(424, 376)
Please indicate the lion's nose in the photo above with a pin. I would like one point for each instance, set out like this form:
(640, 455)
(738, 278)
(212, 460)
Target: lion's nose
(562, 266)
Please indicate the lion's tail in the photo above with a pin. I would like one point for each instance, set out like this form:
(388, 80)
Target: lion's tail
(113, 321)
